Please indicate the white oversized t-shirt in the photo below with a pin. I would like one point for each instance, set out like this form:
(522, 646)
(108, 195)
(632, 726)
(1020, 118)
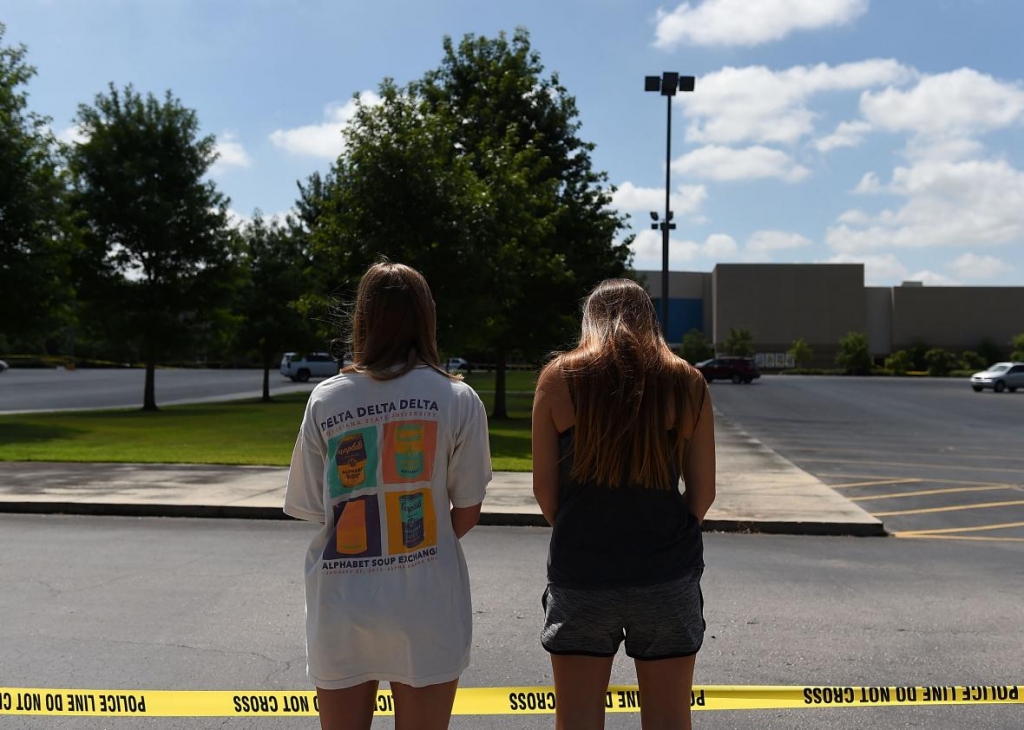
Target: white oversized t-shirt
(379, 462)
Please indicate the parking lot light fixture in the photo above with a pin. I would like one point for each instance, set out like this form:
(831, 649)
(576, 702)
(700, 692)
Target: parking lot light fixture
(667, 85)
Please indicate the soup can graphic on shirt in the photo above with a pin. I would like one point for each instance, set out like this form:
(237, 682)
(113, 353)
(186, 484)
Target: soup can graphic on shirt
(351, 460)
(409, 450)
(350, 532)
(411, 508)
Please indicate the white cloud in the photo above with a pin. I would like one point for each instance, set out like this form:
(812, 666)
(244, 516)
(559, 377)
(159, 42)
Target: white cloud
(765, 242)
(630, 198)
(239, 220)
(230, 153)
(879, 269)
(757, 104)
(647, 250)
(73, 135)
(323, 140)
(715, 162)
(948, 149)
(847, 134)
(745, 23)
(972, 266)
(958, 103)
(931, 278)
(868, 184)
(970, 203)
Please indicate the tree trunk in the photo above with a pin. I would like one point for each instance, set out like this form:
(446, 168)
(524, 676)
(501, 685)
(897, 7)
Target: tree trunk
(500, 407)
(149, 396)
(266, 383)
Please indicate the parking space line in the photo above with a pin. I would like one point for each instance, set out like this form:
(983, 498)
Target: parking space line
(949, 454)
(1015, 470)
(950, 530)
(876, 483)
(953, 508)
(924, 492)
(896, 479)
(978, 538)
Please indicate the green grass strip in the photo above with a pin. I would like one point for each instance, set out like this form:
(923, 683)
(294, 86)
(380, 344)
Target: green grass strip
(236, 432)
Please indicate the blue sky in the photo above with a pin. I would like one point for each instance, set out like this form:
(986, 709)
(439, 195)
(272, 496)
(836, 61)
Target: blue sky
(882, 131)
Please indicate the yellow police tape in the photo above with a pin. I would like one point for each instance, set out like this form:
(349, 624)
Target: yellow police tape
(479, 700)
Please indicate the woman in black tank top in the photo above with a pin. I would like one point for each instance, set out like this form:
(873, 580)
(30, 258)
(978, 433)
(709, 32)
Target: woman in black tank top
(617, 421)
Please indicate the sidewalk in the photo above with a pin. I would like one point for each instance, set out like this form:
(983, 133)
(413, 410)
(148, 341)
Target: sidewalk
(758, 491)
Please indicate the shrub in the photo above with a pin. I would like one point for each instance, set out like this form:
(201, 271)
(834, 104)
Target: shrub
(801, 352)
(940, 362)
(918, 352)
(971, 360)
(899, 362)
(696, 347)
(739, 342)
(1017, 343)
(854, 355)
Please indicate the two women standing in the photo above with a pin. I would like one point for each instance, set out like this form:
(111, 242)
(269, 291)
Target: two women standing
(392, 458)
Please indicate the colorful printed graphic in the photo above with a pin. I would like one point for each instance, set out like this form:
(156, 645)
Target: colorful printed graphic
(408, 453)
(355, 457)
(411, 522)
(356, 529)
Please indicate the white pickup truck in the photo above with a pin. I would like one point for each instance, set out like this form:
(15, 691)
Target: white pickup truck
(301, 367)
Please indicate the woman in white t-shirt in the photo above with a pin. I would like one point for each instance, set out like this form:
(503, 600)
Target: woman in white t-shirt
(392, 459)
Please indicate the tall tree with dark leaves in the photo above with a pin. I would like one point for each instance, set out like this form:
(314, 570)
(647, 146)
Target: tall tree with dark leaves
(36, 244)
(274, 265)
(477, 176)
(155, 228)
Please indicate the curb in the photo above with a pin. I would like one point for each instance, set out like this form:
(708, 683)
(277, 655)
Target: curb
(501, 519)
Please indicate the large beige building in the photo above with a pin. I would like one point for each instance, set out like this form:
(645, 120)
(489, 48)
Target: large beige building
(821, 303)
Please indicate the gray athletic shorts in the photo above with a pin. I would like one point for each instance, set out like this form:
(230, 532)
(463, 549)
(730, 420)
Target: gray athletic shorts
(661, 621)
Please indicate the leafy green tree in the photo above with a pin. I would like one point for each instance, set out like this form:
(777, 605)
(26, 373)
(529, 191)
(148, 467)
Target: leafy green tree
(940, 362)
(899, 362)
(1017, 348)
(477, 176)
(274, 265)
(801, 352)
(854, 355)
(696, 347)
(36, 244)
(990, 352)
(159, 254)
(739, 342)
(971, 360)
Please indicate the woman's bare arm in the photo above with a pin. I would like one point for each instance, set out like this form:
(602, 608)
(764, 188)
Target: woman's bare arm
(545, 444)
(699, 460)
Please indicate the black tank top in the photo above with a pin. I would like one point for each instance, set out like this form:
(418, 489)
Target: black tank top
(626, 536)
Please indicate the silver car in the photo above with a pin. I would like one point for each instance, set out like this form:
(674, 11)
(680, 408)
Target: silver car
(1001, 376)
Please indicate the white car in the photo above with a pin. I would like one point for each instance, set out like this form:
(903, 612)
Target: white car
(313, 365)
(3, 366)
(1001, 376)
(454, 364)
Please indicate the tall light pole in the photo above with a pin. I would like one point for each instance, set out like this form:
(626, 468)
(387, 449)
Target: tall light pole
(667, 84)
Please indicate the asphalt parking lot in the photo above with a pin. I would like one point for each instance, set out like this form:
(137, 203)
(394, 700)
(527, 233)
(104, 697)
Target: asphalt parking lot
(929, 457)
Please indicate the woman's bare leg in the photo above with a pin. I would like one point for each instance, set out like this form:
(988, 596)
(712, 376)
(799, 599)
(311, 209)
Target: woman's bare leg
(580, 686)
(347, 709)
(423, 708)
(665, 686)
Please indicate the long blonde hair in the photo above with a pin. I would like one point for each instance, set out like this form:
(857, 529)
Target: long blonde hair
(394, 322)
(625, 383)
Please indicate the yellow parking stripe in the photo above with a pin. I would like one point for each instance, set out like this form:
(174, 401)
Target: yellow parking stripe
(923, 492)
(876, 483)
(930, 480)
(954, 508)
(947, 530)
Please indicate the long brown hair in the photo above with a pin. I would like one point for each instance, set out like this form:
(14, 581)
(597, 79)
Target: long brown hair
(394, 323)
(626, 384)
